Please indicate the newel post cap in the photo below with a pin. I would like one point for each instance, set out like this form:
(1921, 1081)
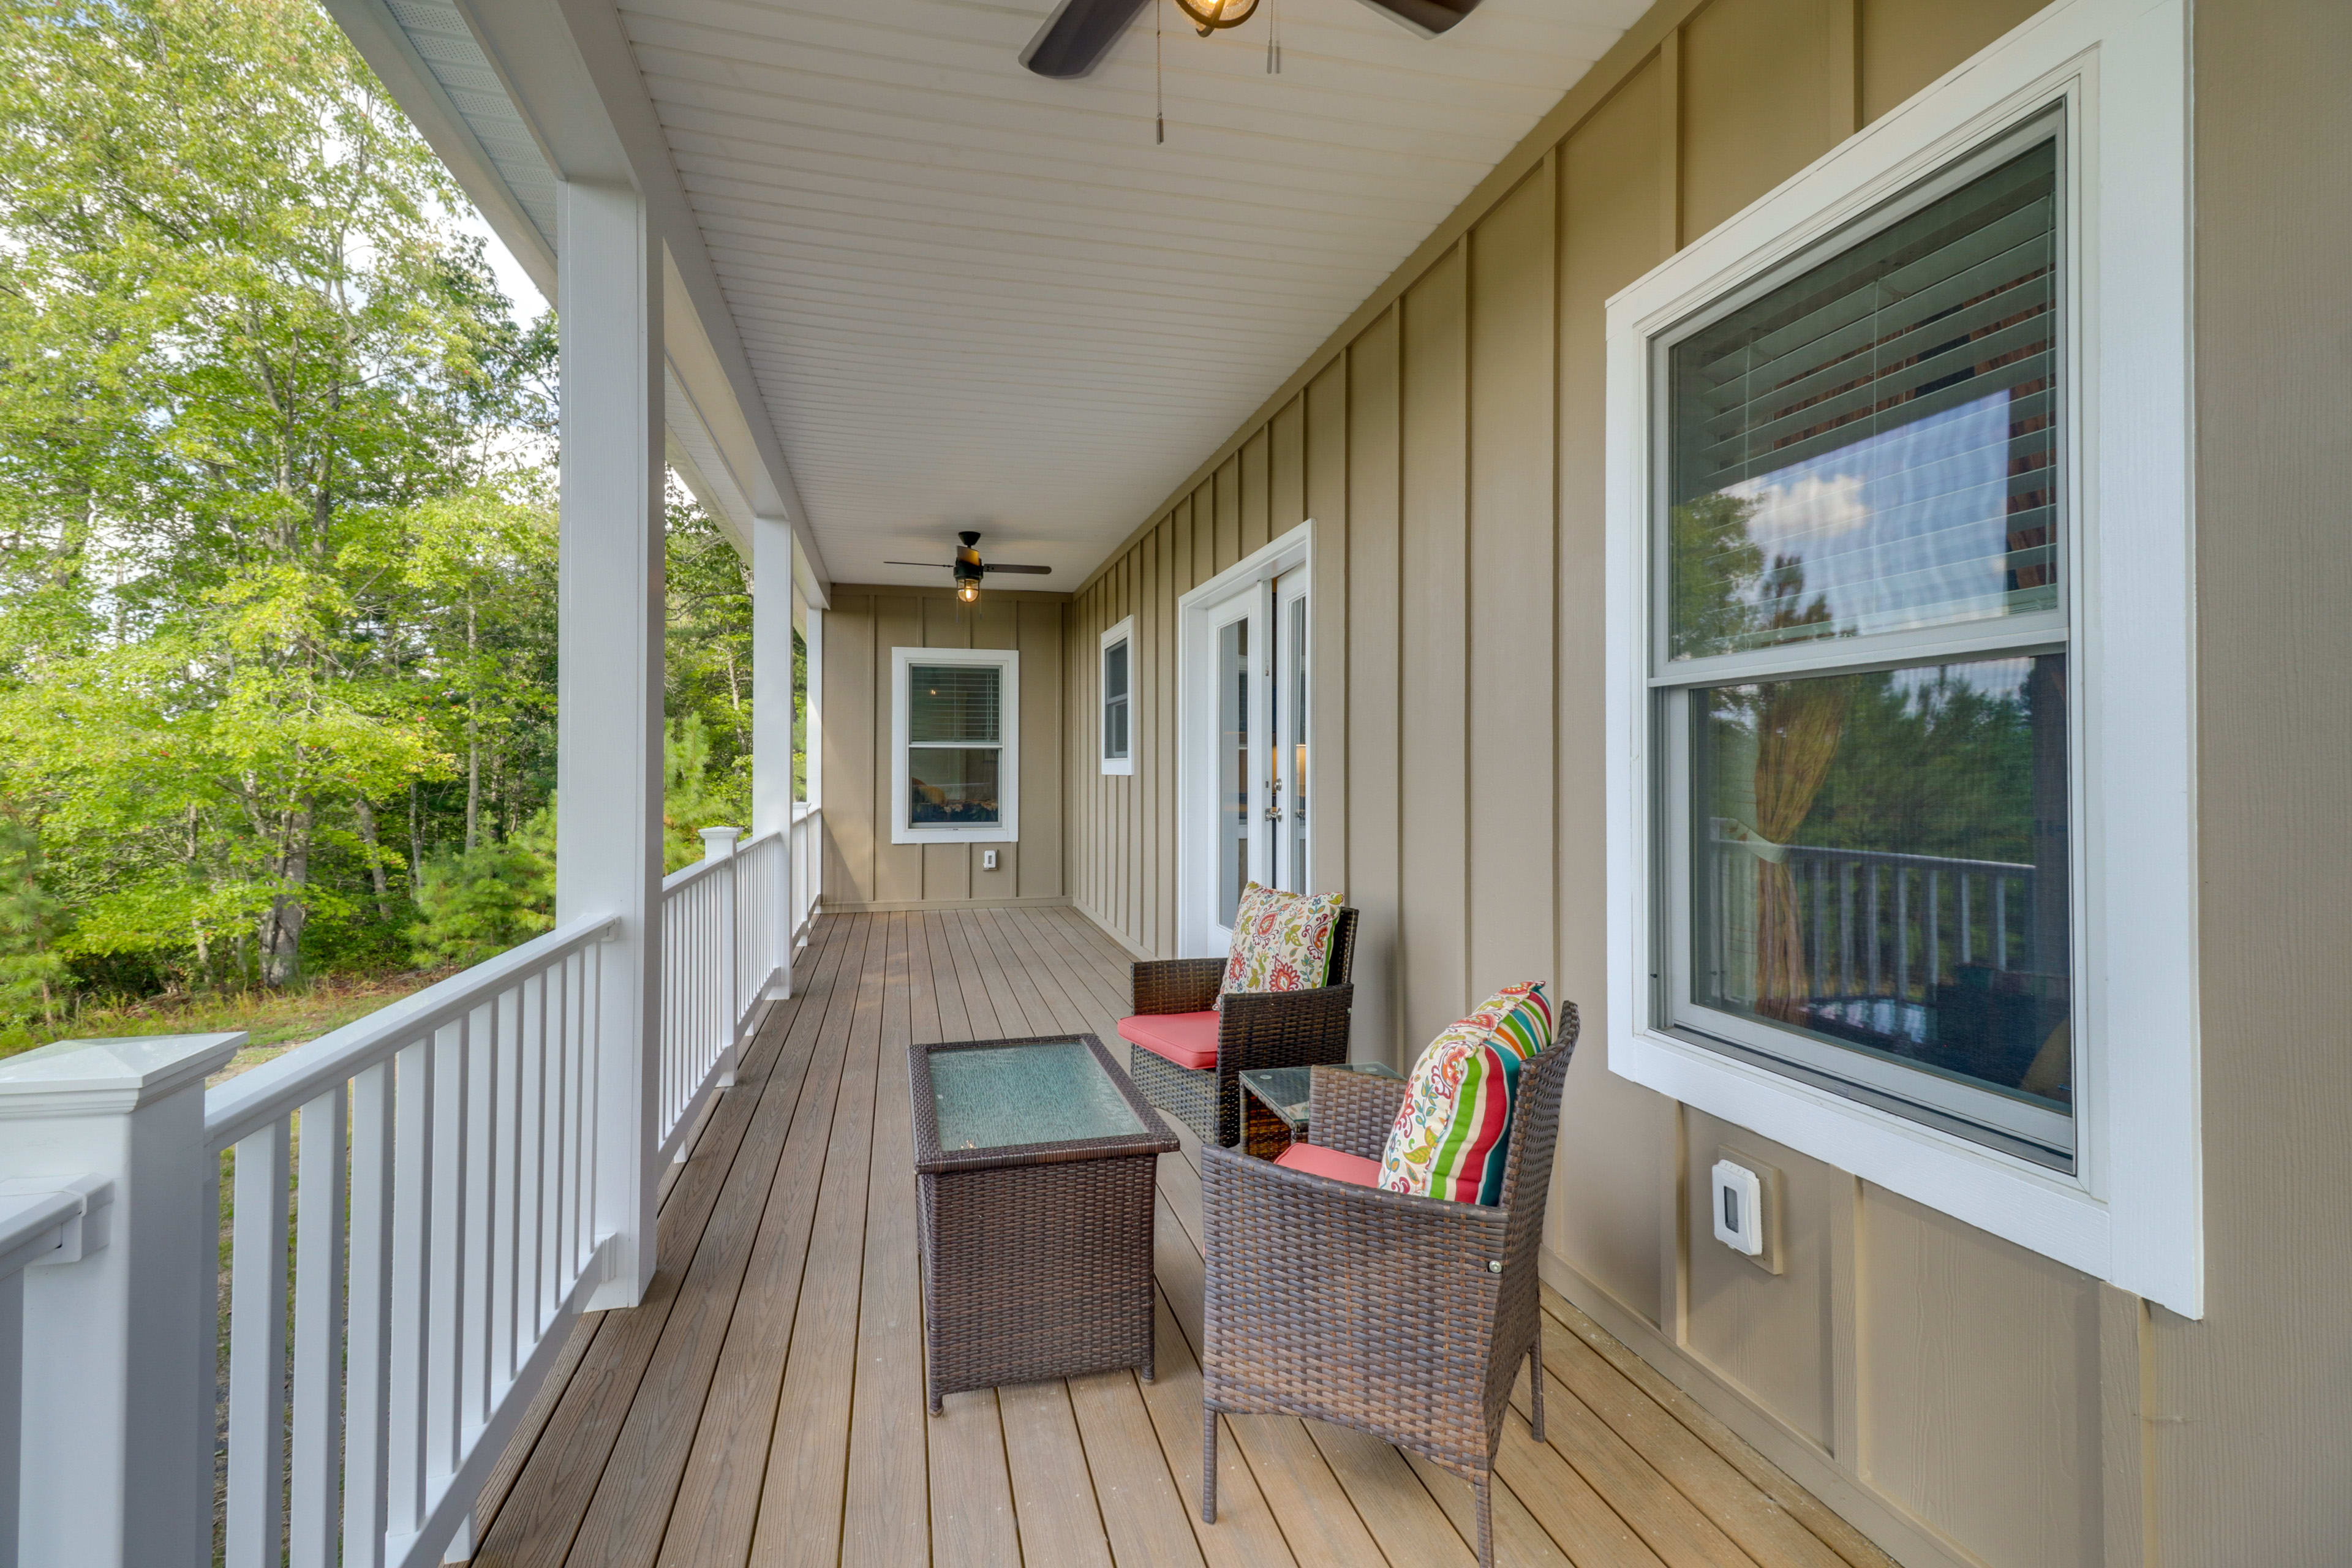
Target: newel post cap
(74, 1077)
(719, 843)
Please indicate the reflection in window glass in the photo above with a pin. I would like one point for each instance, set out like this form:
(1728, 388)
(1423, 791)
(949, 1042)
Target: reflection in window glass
(1880, 862)
(952, 786)
(1872, 445)
(1232, 769)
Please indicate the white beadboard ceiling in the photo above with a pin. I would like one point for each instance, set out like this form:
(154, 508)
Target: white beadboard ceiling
(974, 297)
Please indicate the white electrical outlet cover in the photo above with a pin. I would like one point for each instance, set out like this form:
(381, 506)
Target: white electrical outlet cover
(1739, 1204)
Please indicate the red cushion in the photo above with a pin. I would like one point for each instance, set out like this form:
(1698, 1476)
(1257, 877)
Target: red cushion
(1188, 1039)
(1317, 1161)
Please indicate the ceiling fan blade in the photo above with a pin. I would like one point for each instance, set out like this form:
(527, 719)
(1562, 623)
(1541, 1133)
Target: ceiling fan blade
(1025, 571)
(941, 565)
(1078, 35)
(1427, 17)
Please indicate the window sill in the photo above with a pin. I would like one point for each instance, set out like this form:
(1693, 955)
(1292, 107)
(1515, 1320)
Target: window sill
(994, 834)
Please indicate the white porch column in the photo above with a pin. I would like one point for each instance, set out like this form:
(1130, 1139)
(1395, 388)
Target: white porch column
(772, 716)
(609, 688)
(118, 1385)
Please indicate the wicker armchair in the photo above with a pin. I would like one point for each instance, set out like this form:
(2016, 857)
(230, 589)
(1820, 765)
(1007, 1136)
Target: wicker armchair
(1257, 1029)
(1404, 1317)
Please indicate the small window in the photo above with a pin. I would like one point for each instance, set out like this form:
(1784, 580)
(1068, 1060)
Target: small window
(956, 762)
(1117, 697)
(1861, 663)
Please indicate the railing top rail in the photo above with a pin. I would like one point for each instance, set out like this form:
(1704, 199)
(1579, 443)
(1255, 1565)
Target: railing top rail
(247, 1103)
(1892, 856)
(28, 1223)
(685, 875)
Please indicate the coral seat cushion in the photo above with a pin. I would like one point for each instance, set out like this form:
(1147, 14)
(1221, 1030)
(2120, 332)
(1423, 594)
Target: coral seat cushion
(1317, 1161)
(1188, 1039)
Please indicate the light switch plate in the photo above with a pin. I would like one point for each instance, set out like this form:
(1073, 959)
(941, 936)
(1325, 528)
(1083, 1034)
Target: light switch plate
(988, 859)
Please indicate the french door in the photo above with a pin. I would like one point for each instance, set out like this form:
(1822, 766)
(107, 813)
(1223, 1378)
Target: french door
(1255, 731)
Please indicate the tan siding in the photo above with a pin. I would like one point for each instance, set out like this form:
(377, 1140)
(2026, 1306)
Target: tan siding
(1434, 602)
(1372, 685)
(1325, 482)
(1906, 43)
(1509, 564)
(1765, 1331)
(1962, 1400)
(1764, 93)
(1613, 217)
(1254, 493)
(1979, 1371)
(862, 866)
(2251, 1418)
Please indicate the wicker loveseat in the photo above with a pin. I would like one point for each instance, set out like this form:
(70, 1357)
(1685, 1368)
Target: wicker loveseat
(1404, 1317)
(1256, 1030)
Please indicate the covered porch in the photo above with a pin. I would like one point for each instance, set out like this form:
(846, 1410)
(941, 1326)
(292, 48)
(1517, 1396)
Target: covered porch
(764, 1402)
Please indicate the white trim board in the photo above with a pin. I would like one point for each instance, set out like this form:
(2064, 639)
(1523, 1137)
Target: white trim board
(1117, 767)
(1196, 784)
(1007, 829)
(2132, 1213)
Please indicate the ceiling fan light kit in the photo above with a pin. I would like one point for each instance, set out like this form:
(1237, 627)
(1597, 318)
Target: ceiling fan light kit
(1208, 15)
(969, 568)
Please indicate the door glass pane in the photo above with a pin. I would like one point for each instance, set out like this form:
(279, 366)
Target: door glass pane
(953, 702)
(952, 786)
(1232, 769)
(1872, 445)
(1880, 862)
(1294, 805)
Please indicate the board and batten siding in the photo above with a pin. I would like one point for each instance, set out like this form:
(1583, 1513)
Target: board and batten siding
(862, 870)
(1961, 1399)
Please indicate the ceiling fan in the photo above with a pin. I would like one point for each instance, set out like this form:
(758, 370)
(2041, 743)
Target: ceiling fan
(1080, 32)
(969, 567)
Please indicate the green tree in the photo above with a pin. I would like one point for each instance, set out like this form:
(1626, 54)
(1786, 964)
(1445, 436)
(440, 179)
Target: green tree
(247, 369)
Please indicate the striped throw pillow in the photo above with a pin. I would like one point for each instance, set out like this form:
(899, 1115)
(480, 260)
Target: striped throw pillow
(1453, 1133)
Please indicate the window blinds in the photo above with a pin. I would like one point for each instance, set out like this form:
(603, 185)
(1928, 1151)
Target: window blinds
(953, 704)
(1872, 444)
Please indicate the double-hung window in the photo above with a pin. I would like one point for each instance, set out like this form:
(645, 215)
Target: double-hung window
(1861, 660)
(1900, 719)
(955, 728)
(1118, 685)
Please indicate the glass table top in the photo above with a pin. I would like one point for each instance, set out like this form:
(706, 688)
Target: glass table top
(1284, 1090)
(996, 1097)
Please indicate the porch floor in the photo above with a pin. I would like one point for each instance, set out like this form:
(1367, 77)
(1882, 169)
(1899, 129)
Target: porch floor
(765, 1404)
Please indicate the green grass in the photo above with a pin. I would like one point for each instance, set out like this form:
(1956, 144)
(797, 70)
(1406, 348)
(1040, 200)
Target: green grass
(276, 1020)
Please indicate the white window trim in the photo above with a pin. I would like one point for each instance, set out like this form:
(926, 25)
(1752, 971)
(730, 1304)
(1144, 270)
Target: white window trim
(1007, 831)
(2133, 1211)
(1123, 766)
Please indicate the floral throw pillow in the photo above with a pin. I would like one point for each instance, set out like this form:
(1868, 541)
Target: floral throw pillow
(1282, 941)
(1453, 1132)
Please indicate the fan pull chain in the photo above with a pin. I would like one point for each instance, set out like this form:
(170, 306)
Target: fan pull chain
(1159, 100)
(1273, 38)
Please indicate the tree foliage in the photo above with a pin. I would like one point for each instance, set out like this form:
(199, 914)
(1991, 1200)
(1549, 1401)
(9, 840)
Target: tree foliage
(277, 530)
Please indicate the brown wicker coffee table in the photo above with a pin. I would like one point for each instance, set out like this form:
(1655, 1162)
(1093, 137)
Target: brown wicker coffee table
(1034, 1165)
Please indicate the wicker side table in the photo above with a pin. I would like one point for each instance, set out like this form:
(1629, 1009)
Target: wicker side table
(1034, 1162)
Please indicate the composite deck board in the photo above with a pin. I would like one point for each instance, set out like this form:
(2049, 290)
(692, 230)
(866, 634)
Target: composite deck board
(765, 1404)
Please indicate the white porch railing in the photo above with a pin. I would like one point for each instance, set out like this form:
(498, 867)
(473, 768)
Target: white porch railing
(447, 1147)
(808, 842)
(416, 1221)
(35, 1227)
(720, 919)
